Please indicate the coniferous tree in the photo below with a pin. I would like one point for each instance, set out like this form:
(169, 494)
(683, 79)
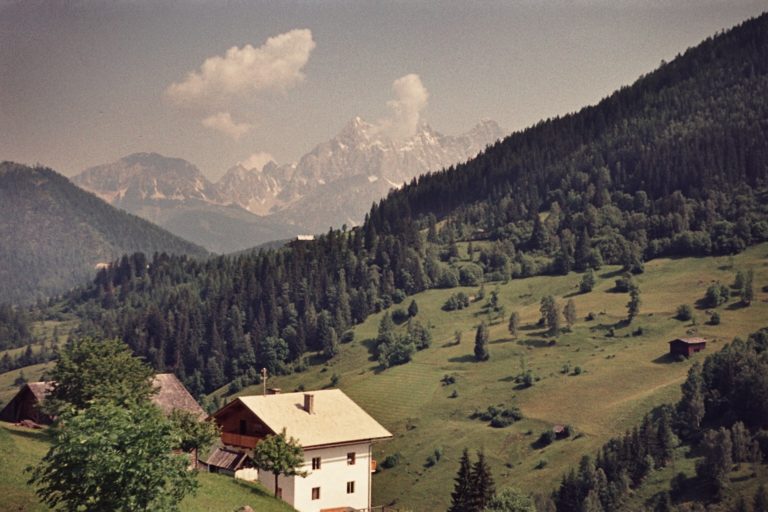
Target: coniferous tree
(690, 408)
(633, 306)
(551, 314)
(569, 312)
(587, 281)
(481, 342)
(760, 502)
(483, 487)
(514, 323)
(413, 309)
(462, 489)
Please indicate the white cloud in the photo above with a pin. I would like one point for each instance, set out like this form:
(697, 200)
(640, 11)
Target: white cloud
(223, 122)
(257, 160)
(274, 66)
(410, 99)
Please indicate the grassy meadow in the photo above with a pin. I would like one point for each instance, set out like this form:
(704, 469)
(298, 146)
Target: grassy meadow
(21, 447)
(622, 377)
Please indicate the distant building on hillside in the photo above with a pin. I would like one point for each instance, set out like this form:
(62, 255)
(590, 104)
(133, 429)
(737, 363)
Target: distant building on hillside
(336, 434)
(687, 346)
(171, 395)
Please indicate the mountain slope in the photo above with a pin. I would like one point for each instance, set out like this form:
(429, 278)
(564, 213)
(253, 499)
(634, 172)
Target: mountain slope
(561, 215)
(248, 207)
(54, 234)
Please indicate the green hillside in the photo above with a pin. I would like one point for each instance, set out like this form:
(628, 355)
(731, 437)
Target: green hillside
(623, 377)
(22, 447)
(54, 234)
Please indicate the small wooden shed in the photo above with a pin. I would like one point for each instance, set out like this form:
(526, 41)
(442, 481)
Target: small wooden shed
(26, 404)
(687, 346)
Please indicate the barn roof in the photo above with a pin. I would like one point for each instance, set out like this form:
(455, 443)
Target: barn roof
(226, 459)
(335, 419)
(171, 394)
(689, 341)
(40, 389)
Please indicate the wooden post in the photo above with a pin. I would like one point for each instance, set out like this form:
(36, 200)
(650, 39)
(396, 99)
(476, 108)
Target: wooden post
(263, 381)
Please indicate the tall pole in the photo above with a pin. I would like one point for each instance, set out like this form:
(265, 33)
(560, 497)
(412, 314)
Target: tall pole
(263, 381)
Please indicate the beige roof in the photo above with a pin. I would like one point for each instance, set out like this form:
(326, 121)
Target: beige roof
(172, 395)
(335, 418)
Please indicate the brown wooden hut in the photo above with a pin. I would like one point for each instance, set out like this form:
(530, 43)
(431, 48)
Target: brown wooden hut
(26, 404)
(687, 346)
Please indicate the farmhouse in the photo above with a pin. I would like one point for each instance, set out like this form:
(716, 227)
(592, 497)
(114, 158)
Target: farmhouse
(687, 346)
(171, 395)
(337, 437)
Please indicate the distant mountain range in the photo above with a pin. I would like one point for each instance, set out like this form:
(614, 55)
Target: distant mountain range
(54, 235)
(333, 184)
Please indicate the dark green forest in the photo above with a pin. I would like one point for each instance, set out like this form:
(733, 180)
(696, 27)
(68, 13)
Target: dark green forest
(53, 234)
(674, 165)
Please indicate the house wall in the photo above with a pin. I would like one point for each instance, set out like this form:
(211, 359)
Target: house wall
(331, 478)
(229, 421)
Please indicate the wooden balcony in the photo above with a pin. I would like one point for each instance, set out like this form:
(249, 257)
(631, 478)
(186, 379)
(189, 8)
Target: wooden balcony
(239, 440)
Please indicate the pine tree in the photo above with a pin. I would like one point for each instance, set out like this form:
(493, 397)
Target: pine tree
(481, 342)
(760, 502)
(460, 497)
(514, 323)
(569, 312)
(413, 309)
(587, 281)
(483, 487)
(550, 314)
(633, 306)
(690, 408)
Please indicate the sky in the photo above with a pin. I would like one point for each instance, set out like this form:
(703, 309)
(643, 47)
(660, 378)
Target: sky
(84, 83)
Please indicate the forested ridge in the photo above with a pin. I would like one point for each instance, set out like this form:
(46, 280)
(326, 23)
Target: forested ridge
(675, 164)
(53, 234)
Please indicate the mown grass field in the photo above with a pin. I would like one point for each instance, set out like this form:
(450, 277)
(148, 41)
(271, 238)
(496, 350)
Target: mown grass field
(623, 376)
(21, 447)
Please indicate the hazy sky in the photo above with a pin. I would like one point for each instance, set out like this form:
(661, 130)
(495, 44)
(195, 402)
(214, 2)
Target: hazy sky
(87, 82)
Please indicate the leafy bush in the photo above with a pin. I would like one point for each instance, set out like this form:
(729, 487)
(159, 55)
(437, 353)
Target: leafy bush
(348, 336)
(456, 301)
(684, 312)
(454, 394)
(624, 284)
(546, 438)
(714, 318)
(716, 295)
(447, 380)
(399, 316)
(470, 274)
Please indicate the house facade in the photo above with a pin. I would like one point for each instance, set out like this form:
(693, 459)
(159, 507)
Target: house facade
(337, 437)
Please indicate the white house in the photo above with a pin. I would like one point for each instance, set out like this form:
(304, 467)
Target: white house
(336, 434)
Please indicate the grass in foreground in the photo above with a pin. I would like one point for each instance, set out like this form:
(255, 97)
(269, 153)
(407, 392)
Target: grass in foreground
(21, 447)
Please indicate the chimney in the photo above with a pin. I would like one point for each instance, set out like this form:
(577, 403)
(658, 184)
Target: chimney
(309, 403)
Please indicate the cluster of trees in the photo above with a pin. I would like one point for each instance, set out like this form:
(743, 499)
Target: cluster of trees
(112, 449)
(29, 356)
(393, 348)
(723, 411)
(15, 327)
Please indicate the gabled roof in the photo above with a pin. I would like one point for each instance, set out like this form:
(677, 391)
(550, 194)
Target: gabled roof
(689, 341)
(40, 389)
(172, 395)
(336, 418)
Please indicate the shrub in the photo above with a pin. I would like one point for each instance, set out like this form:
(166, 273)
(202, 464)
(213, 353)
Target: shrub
(714, 318)
(398, 296)
(501, 422)
(624, 284)
(546, 438)
(684, 312)
(454, 394)
(470, 275)
(348, 336)
(591, 316)
(716, 295)
(541, 464)
(448, 380)
(587, 282)
(578, 370)
(391, 461)
(399, 316)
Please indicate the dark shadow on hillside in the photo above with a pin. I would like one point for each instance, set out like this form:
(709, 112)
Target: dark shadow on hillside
(608, 275)
(42, 435)
(449, 344)
(665, 359)
(466, 358)
(534, 342)
(528, 327)
(510, 378)
(501, 340)
(735, 306)
(572, 294)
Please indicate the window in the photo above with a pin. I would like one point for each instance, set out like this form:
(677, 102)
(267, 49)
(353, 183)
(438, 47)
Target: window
(242, 427)
(315, 493)
(350, 487)
(315, 462)
(351, 458)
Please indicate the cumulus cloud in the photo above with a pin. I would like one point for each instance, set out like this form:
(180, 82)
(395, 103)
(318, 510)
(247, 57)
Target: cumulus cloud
(257, 160)
(274, 66)
(410, 99)
(223, 122)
